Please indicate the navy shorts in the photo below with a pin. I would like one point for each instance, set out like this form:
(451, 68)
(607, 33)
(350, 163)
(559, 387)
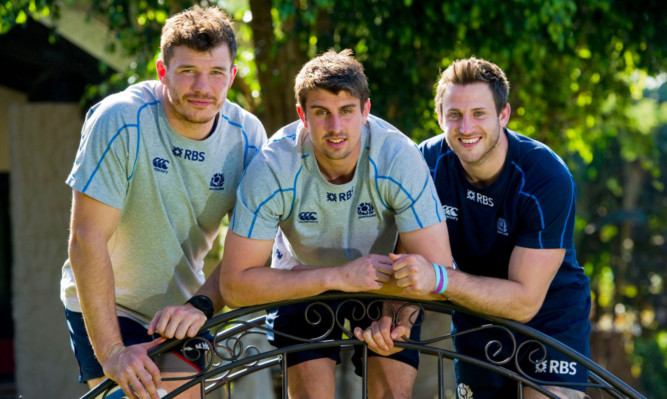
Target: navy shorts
(570, 326)
(191, 358)
(291, 319)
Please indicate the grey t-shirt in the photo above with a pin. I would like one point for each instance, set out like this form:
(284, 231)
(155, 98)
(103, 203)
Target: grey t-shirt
(173, 193)
(324, 224)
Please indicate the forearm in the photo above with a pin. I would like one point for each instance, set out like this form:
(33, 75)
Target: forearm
(493, 296)
(94, 278)
(257, 285)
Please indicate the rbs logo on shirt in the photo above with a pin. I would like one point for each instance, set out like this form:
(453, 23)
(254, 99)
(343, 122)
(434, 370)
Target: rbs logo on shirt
(556, 367)
(479, 198)
(190, 155)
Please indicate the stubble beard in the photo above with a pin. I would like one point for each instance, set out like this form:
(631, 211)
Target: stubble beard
(179, 106)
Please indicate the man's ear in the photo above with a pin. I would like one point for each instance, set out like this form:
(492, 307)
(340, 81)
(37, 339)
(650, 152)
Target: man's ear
(302, 115)
(233, 72)
(366, 110)
(504, 116)
(161, 69)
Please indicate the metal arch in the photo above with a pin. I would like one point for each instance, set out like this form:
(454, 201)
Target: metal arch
(231, 358)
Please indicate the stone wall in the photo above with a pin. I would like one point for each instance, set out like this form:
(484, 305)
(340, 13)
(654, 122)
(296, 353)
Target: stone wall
(43, 140)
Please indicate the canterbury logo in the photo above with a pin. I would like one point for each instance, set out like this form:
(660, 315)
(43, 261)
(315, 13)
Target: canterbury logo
(309, 217)
(451, 212)
(160, 164)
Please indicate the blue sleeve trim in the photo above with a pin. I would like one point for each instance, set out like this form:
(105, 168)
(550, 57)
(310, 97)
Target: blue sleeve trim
(120, 130)
(572, 198)
(296, 178)
(256, 213)
(247, 145)
(391, 179)
(435, 203)
(569, 213)
(537, 202)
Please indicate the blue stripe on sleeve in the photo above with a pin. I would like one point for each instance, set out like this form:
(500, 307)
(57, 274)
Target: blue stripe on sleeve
(120, 130)
(245, 137)
(256, 213)
(569, 212)
(391, 179)
(537, 202)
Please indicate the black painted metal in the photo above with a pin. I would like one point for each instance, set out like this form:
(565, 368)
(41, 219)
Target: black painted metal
(231, 358)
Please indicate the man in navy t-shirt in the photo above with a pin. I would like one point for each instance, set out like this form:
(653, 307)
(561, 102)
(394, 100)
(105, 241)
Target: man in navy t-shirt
(509, 204)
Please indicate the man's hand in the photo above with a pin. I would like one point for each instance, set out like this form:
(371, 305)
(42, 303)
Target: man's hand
(177, 321)
(133, 370)
(414, 274)
(366, 273)
(382, 333)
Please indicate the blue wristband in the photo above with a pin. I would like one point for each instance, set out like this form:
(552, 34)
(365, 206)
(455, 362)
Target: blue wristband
(440, 279)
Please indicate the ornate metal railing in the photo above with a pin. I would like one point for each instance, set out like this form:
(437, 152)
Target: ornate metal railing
(230, 357)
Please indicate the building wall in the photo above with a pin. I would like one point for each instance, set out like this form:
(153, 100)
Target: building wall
(7, 97)
(43, 139)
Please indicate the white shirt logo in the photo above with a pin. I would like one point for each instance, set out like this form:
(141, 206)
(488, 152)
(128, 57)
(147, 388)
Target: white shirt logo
(479, 198)
(556, 367)
(451, 212)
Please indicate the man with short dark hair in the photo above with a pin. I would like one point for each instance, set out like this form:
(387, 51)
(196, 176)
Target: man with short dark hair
(337, 187)
(155, 173)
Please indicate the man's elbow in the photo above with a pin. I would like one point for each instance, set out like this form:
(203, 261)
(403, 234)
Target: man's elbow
(527, 312)
(231, 295)
(76, 248)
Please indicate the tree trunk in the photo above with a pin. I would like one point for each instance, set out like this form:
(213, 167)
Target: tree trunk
(277, 64)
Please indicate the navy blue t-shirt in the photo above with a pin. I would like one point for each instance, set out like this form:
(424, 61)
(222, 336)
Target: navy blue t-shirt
(531, 205)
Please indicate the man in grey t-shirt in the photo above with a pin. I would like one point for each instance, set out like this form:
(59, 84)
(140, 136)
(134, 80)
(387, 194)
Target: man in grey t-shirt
(155, 173)
(338, 187)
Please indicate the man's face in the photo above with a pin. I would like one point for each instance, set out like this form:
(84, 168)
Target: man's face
(473, 128)
(334, 122)
(197, 84)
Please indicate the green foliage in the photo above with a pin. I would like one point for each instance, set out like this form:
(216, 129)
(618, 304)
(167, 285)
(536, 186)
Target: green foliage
(579, 72)
(650, 355)
(17, 12)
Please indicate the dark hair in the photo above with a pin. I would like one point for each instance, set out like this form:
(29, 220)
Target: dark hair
(473, 70)
(199, 29)
(332, 72)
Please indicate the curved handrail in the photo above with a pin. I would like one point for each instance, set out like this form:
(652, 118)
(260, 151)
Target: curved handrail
(230, 359)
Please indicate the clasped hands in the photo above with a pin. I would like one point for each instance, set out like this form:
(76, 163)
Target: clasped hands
(416, 276)
(413, 273)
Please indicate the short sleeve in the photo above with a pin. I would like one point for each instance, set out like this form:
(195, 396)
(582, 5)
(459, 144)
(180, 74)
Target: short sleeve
(259, 203)
(102, 165)
(409, 188)
(256, 138)
(547, 211)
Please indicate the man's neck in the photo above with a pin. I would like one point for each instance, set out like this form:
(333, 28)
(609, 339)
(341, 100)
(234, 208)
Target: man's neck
(339, 171)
